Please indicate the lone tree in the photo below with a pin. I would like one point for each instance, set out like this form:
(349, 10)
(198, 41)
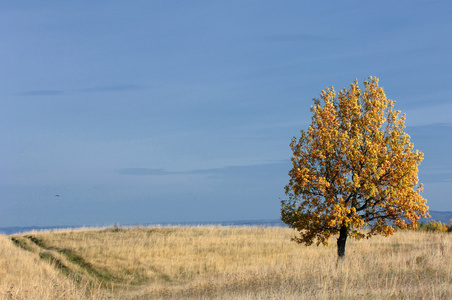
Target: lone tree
(354, 168)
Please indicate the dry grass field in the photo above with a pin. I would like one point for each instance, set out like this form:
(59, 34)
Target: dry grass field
(220, 263)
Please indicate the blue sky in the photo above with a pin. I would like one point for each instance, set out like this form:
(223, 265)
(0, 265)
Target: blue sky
(168, 111)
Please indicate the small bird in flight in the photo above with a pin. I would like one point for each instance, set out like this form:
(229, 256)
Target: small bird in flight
(57, 195)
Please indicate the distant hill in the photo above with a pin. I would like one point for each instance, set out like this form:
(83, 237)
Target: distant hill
(442, 216)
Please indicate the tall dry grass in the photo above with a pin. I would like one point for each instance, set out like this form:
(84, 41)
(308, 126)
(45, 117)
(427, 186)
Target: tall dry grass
(24, 275)
(235, 263)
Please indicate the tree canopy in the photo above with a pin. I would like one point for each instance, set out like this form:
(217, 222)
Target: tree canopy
(355, 171)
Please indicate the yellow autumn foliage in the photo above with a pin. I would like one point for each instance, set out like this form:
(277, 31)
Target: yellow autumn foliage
(353, 168)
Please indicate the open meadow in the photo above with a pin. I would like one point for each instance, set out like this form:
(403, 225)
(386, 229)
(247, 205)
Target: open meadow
(212, 262)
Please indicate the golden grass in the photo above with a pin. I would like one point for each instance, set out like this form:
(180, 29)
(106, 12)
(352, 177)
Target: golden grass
(221, 263)
(23, 275)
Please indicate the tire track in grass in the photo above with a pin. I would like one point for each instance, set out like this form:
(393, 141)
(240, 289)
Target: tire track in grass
(48, 254)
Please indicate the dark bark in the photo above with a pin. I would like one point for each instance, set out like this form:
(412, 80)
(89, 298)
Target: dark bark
(343, 233)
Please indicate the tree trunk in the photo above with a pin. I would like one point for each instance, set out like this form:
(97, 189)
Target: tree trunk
(343, 233)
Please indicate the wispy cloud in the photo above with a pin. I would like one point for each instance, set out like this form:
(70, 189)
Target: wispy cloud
(43, 93)
(435, 141)
(144, 172)
(432, 175)
(302, 37)
(260, 170)
(431, 130)
(99, 89)
(113, 88)
(248, 171)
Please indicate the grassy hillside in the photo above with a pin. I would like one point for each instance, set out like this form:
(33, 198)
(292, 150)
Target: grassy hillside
(220, 263)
